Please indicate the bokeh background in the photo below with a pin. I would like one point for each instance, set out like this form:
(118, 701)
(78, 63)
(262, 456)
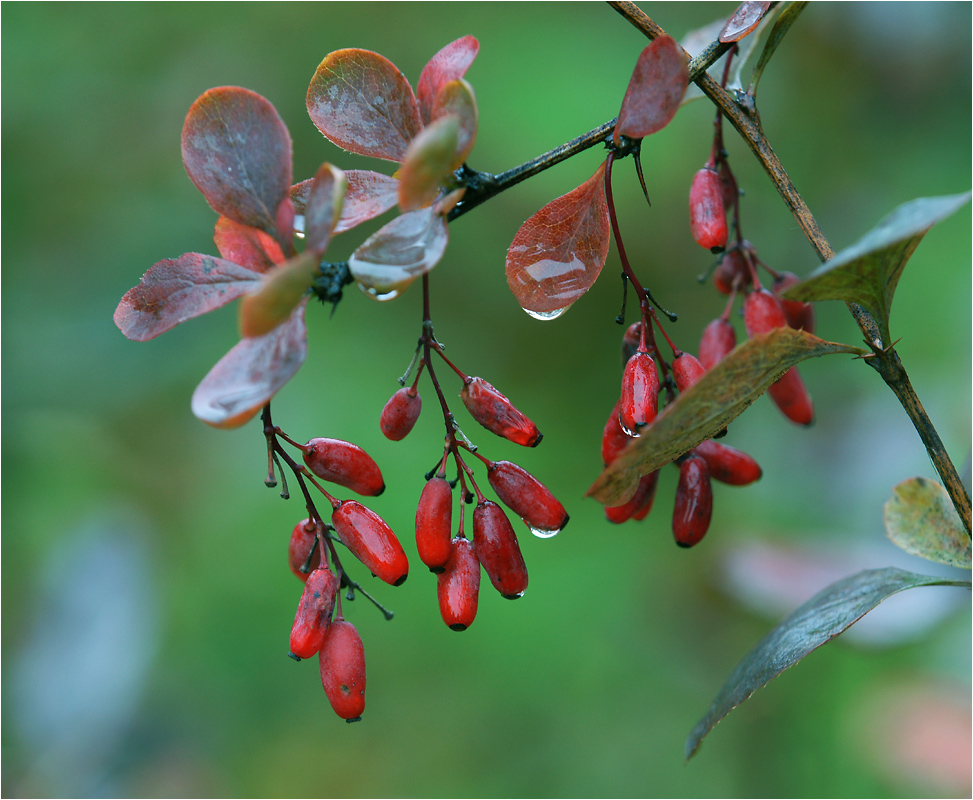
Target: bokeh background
(146, 596)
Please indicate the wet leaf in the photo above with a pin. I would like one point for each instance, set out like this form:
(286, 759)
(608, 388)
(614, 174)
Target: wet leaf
(398, 253)
(428, 164)
(743, 21)
(178, 289)
(273, 300)
(558, 253)
(323, 207)
(703, 410)
(457, 98)
(654, 91)
(247, 246)
(825, 616)
(868, 272)
(238, 153)
(447, 65)
(360, 101)
(368, 195)
(251, 374)
(921, 519)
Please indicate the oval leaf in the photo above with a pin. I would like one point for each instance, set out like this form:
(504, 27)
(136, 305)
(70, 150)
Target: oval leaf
(428, 163)
(251, 373)
(823, 617)
(558, 253)
(703, 410)
(655, 90)
(921, 519)
(274, 299)
(395, 255)
(247, 246)
(323, 207)
(178, 289)
(238, 153)
(367, 195)
(447, 65)
(744, 20)
(360, 101)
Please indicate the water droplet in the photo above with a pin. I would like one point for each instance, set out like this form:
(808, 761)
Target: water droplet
(634, 434)
(542, 534)
(544, 316)
(299, 226)
(379, 294)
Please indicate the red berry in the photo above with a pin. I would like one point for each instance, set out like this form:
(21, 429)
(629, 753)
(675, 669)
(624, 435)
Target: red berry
(303, 538)
(718, 340)
(497, 414)
(527, 497)
(400, 413)
(371, 541)
(434, 523)
(614, 439)
(458, 586)
(733, 267)
(640, 393)
(731, 192)
(800, 316)
(498, 550)
(631, 340)
(727, 464)
(694, 502)
(707, 215)
(639, 506)
(762, 313)
(342, 660)
(792, 398)
(344, 463)
(686, 370)
(314, 613)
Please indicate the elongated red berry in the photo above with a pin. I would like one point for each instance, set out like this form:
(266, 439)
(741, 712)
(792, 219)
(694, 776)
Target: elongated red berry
(498, 550)
(342, 662)
(400, 413)
(434, 523)
(497, 414)
(639, 506)
(344, 463)
(686, 370)
(800, 316)
(727, 464)
(717, 341)
(527, 497)
(694, 502)
(762, 313)
(733, 268)
(303, 538)
(639, 402)
(791, 396)
(314, 613)
(458, 586)
(707, 214)
(371, 541)
(613, 439)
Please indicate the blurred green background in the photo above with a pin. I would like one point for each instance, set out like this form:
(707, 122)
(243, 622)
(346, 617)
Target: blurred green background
(146, 596)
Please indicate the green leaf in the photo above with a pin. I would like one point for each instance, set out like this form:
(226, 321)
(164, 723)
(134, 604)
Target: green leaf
(323, 207)
(921, 519)
(825, 616)
(868, 272)
(280, 291)
(457, 98)
(428, 163)
(703, 410)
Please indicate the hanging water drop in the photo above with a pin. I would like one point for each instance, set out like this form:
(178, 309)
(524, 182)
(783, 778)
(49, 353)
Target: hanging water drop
(540, 533)
(544, 316)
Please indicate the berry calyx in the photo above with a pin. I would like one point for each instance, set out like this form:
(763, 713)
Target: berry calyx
(527, 497)
(497, 414)
(314, 613)
(639, 402)
(498, 550)
(342, 663)
(344, 463)
(371, 541)
(303, 539)
(694, 502)
(458, 586)
(707, 214)
(400, 413)
(434, 523)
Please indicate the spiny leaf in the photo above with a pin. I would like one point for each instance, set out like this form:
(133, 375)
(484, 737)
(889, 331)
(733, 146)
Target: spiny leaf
(654, 91)
(250, 374)
(822, 618)
(703, 410)
(428, 163)
(447, 65)
(368, 195)
(360, 101)
(247, 246)
(743, 21)
(273, 300)
(921, 519)
(457, 98)
(323, 207)
(558, 253)
(175, 290)
(238, 153)
(868, 272)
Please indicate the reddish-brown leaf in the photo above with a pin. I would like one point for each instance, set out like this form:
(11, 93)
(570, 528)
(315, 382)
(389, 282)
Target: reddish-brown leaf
(249, 247)
(744, 20)
(558, 253)
(368, 195)
(655, 90)
(456, 98)
(238, 153)
(428, 163)
(360, 101)
(323, 207)
(178, 289)
(447, 65)
(251, 373)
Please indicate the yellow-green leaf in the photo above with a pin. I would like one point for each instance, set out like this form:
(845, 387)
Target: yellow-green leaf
(428, 163)
(280, 291)
(921, 519)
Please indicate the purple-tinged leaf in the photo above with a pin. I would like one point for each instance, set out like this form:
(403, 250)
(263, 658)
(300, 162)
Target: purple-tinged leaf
(250, 374)
(369, 194)
(249, 247)
(922, 520)
(270, 303)
(428, 163)
(323, 207)
(655, 90)
(238, 153)
(558, 253)
(456, 98)
(825, 616)
(360, 101)
(744, 20)
(398, 253)
(447, 65)
(175, 290)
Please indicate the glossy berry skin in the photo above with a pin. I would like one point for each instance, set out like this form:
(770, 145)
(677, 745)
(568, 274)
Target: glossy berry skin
(718, 339)
(791, 396)
(497, 414)
(434, 523)
(400, 413)
(613, 439)
(707, 214)
(639, 506)
(733, 267)
(344, 463)
(371, 541)
(800, 316)
(686, 370)
(526, 496)
(314, 613)
(630, 341)
(458, 586)
(498, 550)
(694, 502)
(727, 464)
(342, 662)
(639, 402)
(762, 313)
(302, 540)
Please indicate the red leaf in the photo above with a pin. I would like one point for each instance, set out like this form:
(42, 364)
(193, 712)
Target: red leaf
(447, 65)
(456, 98)
(369, 194)
(558, 253)
(175, 290)
(360, 101)
(238, 153)
(251, 373)
(324, 199)
(744, 20)
(249, 247)
(428, 163)
(655, 90)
